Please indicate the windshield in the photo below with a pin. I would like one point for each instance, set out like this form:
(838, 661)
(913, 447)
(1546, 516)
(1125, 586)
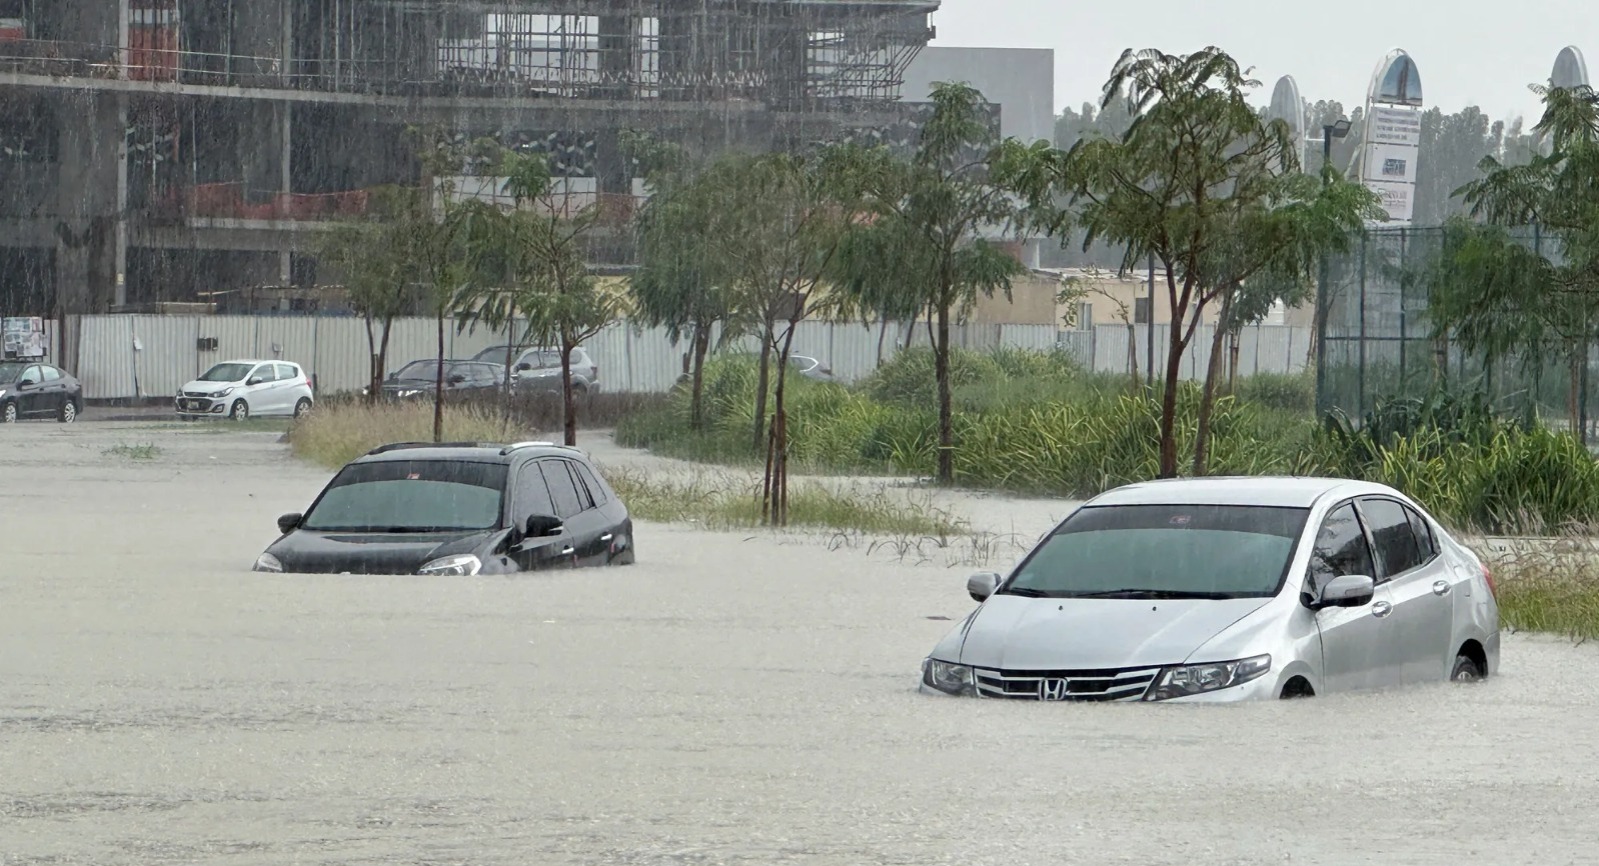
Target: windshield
(428, 370)
(10, 372)
(492, 353)
(411, 496)
(227, 373)
(1164, 551)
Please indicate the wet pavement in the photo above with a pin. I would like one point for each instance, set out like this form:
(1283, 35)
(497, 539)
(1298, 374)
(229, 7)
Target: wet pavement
(732, 699)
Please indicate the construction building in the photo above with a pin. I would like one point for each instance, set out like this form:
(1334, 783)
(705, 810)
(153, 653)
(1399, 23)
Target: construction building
(157, 151)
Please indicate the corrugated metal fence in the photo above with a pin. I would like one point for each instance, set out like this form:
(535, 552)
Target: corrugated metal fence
(131, 356)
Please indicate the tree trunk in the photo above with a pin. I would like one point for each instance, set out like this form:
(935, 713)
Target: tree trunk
(374, 388)
(1232, 362)
(701, 345)
(1132, 357)
(510, 358)
(1168, 400)
(946, 420)
(568, 402)
(1207, 400)
(1573, 396)
(882, 334)
(383, 357)
(762, 380)
(775, 506)
(438, 388)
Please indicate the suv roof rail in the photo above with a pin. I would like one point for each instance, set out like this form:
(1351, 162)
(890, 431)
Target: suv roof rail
(531, 444)
(396, 446)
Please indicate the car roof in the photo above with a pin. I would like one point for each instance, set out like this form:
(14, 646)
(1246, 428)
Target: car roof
(1271, 491)
(255, 361)
(475, 452)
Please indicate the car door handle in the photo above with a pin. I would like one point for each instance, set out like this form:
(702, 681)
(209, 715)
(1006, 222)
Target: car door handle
(1440, 587)
(607, 537)
(566, 551)
(1381, 609)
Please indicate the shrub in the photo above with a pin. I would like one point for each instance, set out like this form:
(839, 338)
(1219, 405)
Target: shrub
(333, 435)
(1287, 392)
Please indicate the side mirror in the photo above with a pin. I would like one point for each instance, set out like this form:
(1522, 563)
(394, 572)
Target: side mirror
(457, 379)
(1349, 590)
(289, 522)
(255, 380)
(982, 585)
(544, 526)
(524, 366)
(26, 383)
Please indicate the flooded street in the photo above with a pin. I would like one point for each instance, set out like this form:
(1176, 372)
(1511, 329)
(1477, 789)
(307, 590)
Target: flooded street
(731, 699)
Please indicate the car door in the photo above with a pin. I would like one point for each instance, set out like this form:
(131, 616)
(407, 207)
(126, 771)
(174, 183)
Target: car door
(1353, 639)
(609, 513)
(54, 389)
(261, 395)
(574, 505)
(531, 498)
(288, 382)
(31, 396)
(1421, 588)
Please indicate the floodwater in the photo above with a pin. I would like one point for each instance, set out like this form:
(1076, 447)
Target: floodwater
(732, 699)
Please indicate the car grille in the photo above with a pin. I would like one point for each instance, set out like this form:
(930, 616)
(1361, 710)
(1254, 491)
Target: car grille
(1100, 685)
(195, 394)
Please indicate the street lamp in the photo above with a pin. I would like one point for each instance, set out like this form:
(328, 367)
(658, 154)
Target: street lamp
(1337, 129)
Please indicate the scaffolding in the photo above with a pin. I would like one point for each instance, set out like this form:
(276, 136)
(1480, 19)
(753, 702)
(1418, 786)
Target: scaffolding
(788, 54)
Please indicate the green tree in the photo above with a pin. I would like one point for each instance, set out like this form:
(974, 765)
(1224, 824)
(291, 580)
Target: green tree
(1497, 297)
(919, 249)
(1201, 182)
(378, 272)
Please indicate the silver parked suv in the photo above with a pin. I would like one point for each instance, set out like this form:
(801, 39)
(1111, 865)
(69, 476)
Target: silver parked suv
(537, 369)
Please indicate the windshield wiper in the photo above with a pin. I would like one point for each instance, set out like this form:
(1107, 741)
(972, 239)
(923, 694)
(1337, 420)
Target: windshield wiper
(1024, 592)
(1149, 593)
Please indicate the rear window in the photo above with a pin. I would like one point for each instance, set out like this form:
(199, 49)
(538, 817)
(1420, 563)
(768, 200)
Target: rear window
(1197, 551)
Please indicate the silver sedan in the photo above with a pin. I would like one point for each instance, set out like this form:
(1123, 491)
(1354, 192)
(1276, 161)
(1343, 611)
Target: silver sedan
(1227, 589)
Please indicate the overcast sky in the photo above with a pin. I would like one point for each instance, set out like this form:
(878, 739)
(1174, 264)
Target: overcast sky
(1467, 51)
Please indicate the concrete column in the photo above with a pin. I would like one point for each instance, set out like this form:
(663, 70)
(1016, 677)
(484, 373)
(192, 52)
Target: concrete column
(90, 229)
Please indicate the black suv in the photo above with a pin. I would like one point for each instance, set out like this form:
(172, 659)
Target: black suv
(457, 508)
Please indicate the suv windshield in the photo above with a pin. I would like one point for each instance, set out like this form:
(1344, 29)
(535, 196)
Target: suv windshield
(1164, 551)
(428, 370)
(411, 496)
(227, 373)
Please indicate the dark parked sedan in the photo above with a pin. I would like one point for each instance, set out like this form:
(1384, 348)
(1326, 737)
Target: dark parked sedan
(417, 379)
(31, 390)
(461, 509)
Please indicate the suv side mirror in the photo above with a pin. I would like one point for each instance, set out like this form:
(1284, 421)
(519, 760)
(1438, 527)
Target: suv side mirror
(982, 585)
(1347, 590)
(544, 526)
(26, 383)
(289, 522)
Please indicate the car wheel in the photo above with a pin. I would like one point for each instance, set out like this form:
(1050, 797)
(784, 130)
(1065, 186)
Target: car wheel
(1466, 670)
(8, 414)
(302, 407)
(69, 412)
(240, 411)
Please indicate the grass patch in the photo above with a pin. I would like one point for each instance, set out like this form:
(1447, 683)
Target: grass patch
(131, 451)
(333, 435)
(1560, 599)
(724, 501)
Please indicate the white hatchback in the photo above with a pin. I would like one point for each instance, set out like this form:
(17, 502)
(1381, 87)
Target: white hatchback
(245, 388)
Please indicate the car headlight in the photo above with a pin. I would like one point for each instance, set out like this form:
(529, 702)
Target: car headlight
(223, 393)
(463, 563)
(947, 677)
(1183, 680)
(268, 562)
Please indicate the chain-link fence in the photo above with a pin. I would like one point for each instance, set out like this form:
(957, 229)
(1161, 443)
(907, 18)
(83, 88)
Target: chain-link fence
(1378, 339)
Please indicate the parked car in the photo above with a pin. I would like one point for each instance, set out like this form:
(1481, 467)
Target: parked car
(457, 509)
(537, 369)
(810, 368)
(1227, 590)
(31, 390)
(418, 379)
(246, 388)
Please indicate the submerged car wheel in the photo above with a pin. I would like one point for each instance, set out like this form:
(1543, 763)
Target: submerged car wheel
(240, 411)
(69, 412)
(1297, 688)
(1466, 670)
(8, 414)
(302, 407)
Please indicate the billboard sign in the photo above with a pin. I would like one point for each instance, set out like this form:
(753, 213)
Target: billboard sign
(1392, 145)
